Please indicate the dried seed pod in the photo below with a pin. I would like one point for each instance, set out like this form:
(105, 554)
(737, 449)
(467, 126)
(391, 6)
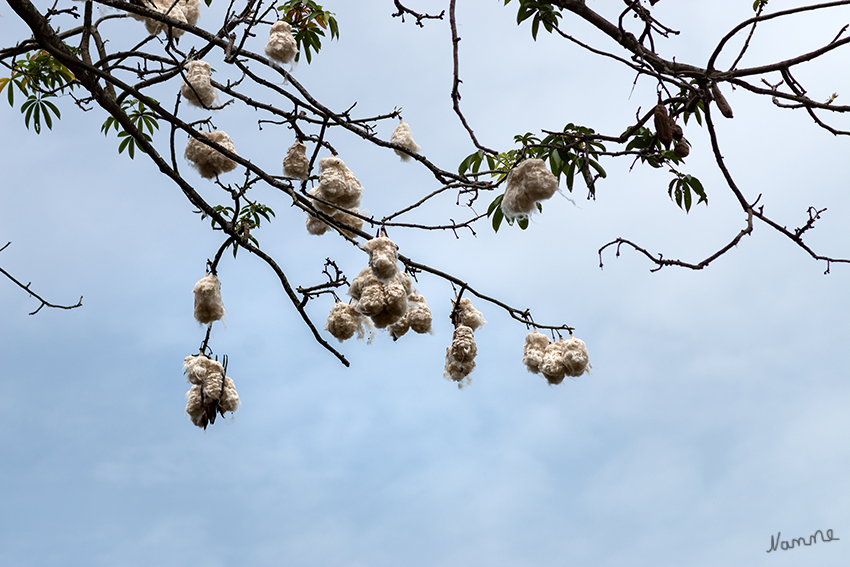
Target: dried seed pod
(529, 182)
(401, 136)
(344, 321)
(211, 393)
(720, 101)
(460, 356)
(281, 46)
(662, 125)
(693, 103)
(296, 164)
(533, 350)
(576, 361)
(208, 304)
(677, 130)
(383, 258)
(207, 161)
(682, 150)
(469, 315)
(196, 89)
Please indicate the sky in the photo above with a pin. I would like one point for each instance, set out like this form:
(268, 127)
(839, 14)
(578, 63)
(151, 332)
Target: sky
(714, 417)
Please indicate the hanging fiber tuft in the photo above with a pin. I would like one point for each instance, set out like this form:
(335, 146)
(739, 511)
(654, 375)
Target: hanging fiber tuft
(208, 304)
(207, 161)
(527, 183)
(281, 46)
(401, 136)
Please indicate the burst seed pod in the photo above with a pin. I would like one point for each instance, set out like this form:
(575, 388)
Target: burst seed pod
(527, 184)
(337, 184)
(662, 125)
(401, 136)
(552, 365)
(383, 258)
(296, 164)
(208, 304)
(281, 46)
(196, 89)
(533, 350)
(207, 161)
(344, 322)
(460, 356)
(469, 315)
(720, 101)
(576, 361)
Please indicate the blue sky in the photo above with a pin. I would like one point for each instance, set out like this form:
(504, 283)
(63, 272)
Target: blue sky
(714, 418)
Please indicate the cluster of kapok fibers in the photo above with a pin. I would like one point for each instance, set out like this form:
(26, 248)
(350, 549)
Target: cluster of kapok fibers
(383, 295)
(460, 356)
(337, 186)
(555, 360)
(186, 11)
(281, 46)
(526, 185)
(212, 392)
(208, 304)
(196, 89)
(208, 161)
(402, 136)
(295, 163)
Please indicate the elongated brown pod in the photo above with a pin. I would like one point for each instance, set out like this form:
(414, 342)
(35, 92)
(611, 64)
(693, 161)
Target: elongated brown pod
(720, 100)
(662, 126)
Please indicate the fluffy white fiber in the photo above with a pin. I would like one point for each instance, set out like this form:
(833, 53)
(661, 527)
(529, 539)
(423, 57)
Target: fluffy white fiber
(211, 393)
(533, 350)
(208, 303)
(460, 356)
(401, 136)
(564, 358)
(418, 318)
(318, 227)
(469, 315)
(296, 164)
(383, 258)
(344, 322)
(196, 89)
(527, 183)
(207, 161)
(281, 45)
(186, 11)
(383, 303)
(337, 184)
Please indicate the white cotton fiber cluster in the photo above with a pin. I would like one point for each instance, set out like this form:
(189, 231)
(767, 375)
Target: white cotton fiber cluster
(344, 322)
(208, 304)
(383, 258)
(555, 360)
(383, 303)
(295, 163)
(207, 161)
(196, 89)
(281, 45)
(186, 11)
(417, 318)
(527, 183)
(338, 186)
(469, 315)
(401, 136)
(460, 356)
(211, 393)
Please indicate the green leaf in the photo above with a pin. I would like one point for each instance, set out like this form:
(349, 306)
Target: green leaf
(523, 223)
(498, 216)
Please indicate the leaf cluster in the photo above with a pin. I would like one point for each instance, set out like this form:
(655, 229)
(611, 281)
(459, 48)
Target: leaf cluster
(309, 22)
(246, 218)
(539, 12)
(142, 118)
(680, 190)
(39, 76)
